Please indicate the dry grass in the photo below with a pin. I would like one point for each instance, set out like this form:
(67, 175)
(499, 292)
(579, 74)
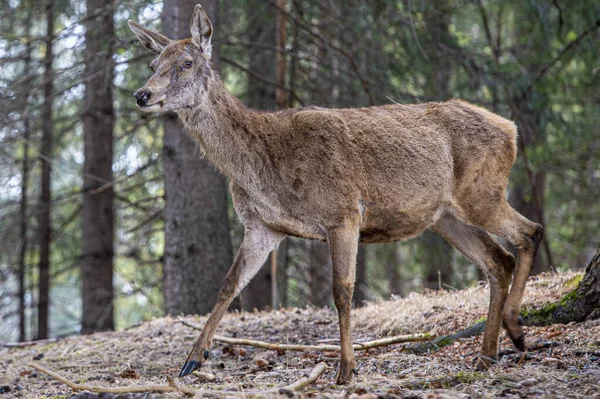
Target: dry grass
(569, 367)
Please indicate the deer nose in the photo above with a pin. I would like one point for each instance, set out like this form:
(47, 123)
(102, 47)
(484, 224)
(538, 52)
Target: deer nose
(142, 97)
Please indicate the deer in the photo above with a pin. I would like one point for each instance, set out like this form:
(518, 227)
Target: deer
(351, 176)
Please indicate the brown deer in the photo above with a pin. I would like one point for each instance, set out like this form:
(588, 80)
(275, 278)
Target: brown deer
(368, 175)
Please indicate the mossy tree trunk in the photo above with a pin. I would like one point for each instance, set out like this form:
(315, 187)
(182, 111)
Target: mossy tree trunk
(583, 303)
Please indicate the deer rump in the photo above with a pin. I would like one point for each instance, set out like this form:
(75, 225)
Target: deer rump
(401, 167)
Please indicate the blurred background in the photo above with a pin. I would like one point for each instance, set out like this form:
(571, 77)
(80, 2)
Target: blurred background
(109, 217)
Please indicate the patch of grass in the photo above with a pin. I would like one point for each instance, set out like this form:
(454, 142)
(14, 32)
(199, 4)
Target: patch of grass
(573, 282)
(469, 377)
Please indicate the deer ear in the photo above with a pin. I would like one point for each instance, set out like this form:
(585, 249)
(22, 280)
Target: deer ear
(201, 29)
(153, 41)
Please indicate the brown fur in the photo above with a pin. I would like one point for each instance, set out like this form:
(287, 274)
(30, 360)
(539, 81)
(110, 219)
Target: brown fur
(377, 174)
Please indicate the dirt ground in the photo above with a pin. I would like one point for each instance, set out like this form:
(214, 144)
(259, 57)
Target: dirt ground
(566, 363)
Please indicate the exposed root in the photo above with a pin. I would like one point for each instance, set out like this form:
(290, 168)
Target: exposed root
(329, 348)
(172, 386)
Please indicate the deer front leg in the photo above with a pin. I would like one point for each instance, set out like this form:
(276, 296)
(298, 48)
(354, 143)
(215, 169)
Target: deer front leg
(259, 240)
(343, 245)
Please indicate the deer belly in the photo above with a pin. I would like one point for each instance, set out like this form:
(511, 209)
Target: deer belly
(381, 226)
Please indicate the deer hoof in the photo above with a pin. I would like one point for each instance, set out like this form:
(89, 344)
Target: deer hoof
(344, 374)
(485, 362)
(189, 367)
(518, 342)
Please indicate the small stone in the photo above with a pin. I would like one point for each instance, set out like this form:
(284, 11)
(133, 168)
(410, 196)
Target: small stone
(204, 376)
(260, 362)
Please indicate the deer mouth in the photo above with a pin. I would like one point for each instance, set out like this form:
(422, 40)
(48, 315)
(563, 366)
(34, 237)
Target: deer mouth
(155, 105)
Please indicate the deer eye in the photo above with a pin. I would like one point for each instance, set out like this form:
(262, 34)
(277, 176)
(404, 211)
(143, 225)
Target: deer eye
(151, 66)
(187, 64)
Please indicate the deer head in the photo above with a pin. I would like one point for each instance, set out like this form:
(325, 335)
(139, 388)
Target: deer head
(181, 71)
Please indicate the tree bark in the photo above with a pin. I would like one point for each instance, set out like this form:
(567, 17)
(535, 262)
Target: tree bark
(282, 281)
(198, 250)
(527, 195)
(44, 222)
(98, 215)
(361, 287)
(437, 261)
(281, 93)
(24, 180)
(437, 253)
(392, 269)
(583, 303)
(321, 288)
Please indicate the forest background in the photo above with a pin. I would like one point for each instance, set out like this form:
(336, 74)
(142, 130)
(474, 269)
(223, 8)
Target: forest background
(109, 217)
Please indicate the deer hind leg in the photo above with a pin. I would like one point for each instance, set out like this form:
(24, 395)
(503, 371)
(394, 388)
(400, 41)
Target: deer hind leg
(525, 235)
(259, 240)
(343, 246)
(497, 263)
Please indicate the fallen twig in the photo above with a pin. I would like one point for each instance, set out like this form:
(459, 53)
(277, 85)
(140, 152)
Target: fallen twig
(173, 387)
(446, 340)
(298, 347)
(28, 343)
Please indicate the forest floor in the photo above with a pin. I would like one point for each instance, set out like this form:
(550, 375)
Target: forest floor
(566, 366)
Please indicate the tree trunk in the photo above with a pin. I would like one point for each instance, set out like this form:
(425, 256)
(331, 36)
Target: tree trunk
(527, 195)
(578, 305)
(98, 216)
(261, 61)
(321, 288)
(24, 180)
(281, 92)
(437, 253)
(437, 261)
(392, 269)
(44, 222)
(198, 250)
(361, 288)
(282, 282)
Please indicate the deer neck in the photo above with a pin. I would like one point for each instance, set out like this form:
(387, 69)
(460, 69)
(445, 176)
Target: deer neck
(222, 126)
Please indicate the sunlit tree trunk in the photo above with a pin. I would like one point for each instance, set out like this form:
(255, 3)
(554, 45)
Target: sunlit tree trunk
(98, 215)
(198, 250)
(44, 222)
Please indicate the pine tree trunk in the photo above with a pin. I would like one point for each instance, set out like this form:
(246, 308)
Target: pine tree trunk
(44, 222)
(198, 250)
(361, 288)
(321, 288)
(392, 269)
(98, 215)
(24, 180)
(437, 261)
(583, 303)
(437, 253)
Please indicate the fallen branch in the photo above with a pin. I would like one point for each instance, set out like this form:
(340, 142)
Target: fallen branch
(173, 387)
(446, 340)
(28, 343)
(298, 347)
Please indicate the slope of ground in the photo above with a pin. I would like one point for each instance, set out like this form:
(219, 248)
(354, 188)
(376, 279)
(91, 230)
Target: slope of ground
(566, 363)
